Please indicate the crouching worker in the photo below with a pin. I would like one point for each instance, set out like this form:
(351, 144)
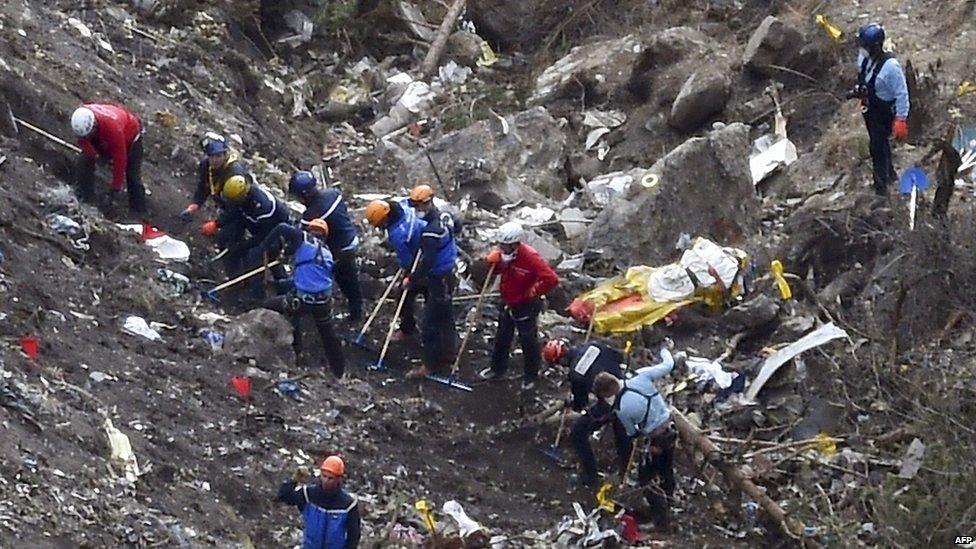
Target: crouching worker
(330, 514)
(309, 291)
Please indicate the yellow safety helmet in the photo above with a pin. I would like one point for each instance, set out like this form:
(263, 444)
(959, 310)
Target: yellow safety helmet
(421, 193)
(318, 226)
(377, 211)
(235, 189)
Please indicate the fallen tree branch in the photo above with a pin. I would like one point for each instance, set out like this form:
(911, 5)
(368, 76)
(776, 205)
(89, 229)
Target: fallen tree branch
(440, 39)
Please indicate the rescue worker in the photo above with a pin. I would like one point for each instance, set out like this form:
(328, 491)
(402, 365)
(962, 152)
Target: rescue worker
(585, 362)
(404, 230)
(219, 164)
(641, 410)
(110, 132)
(883, 95)
(253, 211)
(310, 288)
(330, 514)
(525, 278)
(434, 277)
(329, 206)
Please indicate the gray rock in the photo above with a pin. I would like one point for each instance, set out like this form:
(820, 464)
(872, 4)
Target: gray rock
(702, 96)
(772, 43)
(495, 163)
(261, 335)
(704, 189)
(666, 62)
(464, 48)
(753, 313)
(599, 68)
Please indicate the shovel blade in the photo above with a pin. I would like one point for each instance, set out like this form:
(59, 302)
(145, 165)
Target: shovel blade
(377, 366)
(450, 382)
(555, 454)
(212, 296)
(359, 341)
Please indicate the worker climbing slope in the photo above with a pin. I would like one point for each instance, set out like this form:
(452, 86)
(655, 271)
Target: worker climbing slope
(309, 292)
(329, 206)
(330, 514)
(525, 278)
(111, 133)
(434, 277)
(219, 164)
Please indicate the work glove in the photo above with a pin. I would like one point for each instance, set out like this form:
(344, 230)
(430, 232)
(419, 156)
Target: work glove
(494, 257)
(900, 129)
(405, 284)
(209, 228)
(187, 214)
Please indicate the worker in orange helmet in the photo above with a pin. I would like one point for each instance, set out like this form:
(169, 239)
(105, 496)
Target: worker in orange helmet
(330, 514)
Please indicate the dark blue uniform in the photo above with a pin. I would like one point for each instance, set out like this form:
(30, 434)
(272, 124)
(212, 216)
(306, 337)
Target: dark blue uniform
(329, 206)
(243, 227)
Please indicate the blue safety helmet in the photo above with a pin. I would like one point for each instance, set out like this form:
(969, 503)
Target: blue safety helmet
(214, 144)
(301, 183)
(870, 35)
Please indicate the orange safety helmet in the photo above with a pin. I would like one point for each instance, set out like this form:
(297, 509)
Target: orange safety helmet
(377, 211)
(318, 226)
(421, 193)
(333, 465)
(554, 350)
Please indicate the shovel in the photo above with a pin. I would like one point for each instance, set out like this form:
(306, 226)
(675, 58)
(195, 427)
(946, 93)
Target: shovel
(378, 365)
(212, 294)
(451, 380)
(912, 181)
(554, 452)
(358, 341)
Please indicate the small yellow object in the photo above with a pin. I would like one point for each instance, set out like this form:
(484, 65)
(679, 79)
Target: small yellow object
(826, 445)
(965, 87)
(628, 347)
(832, 30)
(784, 287)
(424, 509)
(604, 499)
(650, 180)
(488, 57)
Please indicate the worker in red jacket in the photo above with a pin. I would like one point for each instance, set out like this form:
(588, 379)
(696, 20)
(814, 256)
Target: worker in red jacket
(525, 278)
(110, 132)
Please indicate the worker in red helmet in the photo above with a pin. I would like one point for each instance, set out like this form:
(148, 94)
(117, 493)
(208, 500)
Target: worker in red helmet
(330, 514)
(112, 133)
(584, 363)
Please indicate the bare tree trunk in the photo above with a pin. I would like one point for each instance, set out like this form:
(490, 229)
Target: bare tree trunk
(440, 39)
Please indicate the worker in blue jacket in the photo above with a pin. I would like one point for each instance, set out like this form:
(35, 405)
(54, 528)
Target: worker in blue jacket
(585, 362)
(883, 94)
(310, 291)
(434, 278)
(642, 410)
(329, 206)
(330, 514)
(404, 228)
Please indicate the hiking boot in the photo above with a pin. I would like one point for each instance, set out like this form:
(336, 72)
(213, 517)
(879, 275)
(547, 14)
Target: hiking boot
(490, 374)
(420, 372)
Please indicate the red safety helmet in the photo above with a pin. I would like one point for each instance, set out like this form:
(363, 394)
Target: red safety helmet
(554, 351)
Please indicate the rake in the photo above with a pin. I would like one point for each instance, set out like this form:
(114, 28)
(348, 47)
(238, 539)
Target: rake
(359, 340)
(378, 365)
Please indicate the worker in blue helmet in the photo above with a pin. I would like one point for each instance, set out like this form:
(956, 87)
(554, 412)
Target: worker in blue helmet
(329, 206)
(219, 164)
(883, 94)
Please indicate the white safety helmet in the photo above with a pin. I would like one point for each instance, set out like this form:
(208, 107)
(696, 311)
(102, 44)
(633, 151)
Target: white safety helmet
(82, 121)
(509, 233)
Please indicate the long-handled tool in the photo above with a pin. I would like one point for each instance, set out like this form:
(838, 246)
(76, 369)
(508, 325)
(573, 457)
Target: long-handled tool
(212, 294)
(451, 379)
(358, 340)
(554, 452)
(378, 365)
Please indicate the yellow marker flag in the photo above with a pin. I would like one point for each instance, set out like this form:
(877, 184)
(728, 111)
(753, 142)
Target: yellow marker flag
(832, 30)
(424, 510)
(488, 57)
(784, 287)
(603, 497)
(965, 87)
(826, 445)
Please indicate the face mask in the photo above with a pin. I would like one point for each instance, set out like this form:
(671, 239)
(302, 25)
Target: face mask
(509, 257)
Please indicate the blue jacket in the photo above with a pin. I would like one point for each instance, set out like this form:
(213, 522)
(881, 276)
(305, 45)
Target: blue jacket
(890, 84)
(331, 518)
(404, 232)
(438, 246)
(640, 407)
(329, 206)
(259, 214)
(313, 263)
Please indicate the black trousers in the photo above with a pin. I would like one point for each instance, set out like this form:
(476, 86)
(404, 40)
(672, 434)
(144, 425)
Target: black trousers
(133, 178)
(244, 254)
(525, 319)
(346, 275)
(656, 472)
(439, 335)
(586, 425)
(879, 119)
(321, 313)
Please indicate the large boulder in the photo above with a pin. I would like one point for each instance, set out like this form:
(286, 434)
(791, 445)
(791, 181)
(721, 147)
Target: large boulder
(701, 188)
(772, 43)
(263, 336)
(516, 24)
(495, 162)
(703, 96)
(599, 68)
(667, 60)
(464, 48)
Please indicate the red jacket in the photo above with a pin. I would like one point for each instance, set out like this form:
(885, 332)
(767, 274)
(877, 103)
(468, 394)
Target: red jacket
(115, 130)
(526, 277)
